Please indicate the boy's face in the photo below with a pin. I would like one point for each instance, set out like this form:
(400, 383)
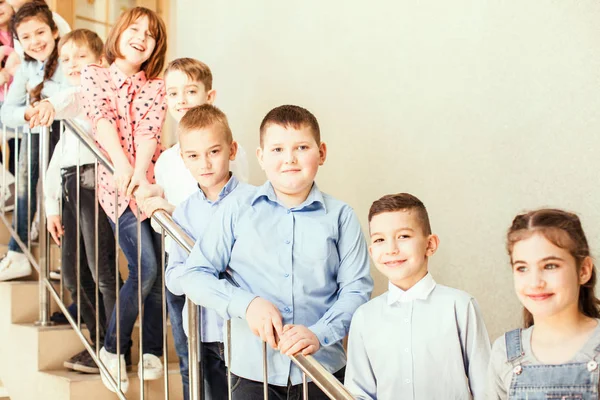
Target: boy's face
(399, 247)
(184, 93)
(206, 154)
(291, 158)
(73, 59)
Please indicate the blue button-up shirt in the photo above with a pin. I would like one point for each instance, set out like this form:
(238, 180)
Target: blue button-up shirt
(193, 215)
(310, 261)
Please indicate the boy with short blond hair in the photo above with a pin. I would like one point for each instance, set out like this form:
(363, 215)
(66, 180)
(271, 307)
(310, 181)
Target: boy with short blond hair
(188, 84)
(298, 255)
(419, 340)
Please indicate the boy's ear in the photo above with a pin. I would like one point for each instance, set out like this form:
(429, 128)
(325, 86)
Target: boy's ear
(259, 155)
(433, 241)
(210, 96)
(322, 153)
(233, 148)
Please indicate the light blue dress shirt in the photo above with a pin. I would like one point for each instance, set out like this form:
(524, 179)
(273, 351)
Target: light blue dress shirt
(310, 261)
(193, 215)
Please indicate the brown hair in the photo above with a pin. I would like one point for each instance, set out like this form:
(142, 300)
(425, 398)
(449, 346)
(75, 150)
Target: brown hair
(84, 37)
(402, 202)
(153, 66)
(40, 10)
(194, 69)
(205, 116)
(294, 116)
(564, 230)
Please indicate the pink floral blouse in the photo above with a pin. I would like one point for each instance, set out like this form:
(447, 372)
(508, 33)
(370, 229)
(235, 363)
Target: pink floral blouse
(136, 107)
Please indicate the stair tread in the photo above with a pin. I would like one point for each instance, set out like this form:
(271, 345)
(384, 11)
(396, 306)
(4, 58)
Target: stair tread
(74, 376)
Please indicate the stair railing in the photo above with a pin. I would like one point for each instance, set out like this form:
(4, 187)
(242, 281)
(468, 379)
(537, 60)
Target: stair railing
(308, 365)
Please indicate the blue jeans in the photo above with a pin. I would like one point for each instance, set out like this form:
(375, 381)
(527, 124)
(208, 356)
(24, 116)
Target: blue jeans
(175, 306)
(28, 177)
(151, 282)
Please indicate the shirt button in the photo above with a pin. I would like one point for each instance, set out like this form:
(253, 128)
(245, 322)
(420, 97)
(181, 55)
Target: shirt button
(287, 275)
(407, 381)
(406, 350)
(289, 211)
(406, 320)
(287, 242)
(326, 341)
(287, 309)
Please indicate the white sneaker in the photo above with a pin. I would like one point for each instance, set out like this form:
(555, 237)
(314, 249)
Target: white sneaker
(153, 368)
(111, 362)
(55, 275)
(14, 265)
(34, 233)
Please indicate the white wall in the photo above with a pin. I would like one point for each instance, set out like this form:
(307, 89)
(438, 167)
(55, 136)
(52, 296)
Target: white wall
(480, 108)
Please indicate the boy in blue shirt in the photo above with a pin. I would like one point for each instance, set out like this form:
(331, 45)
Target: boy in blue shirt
(298, 255)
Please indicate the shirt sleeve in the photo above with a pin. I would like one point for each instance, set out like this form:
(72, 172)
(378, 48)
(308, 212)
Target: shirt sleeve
(477, 350)
(210, 257)
(177, 256)
(65, 103)
(97, 96)
(152, 111)
(353, 278)
(15, 101)
(360, 379)
(52, 187)
(495, 385)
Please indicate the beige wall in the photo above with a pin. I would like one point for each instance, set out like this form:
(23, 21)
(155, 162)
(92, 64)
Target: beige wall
(482, 109)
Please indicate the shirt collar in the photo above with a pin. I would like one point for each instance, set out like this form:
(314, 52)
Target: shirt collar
(314, 200)
(119, 78)
(420, 291)
(231, 184)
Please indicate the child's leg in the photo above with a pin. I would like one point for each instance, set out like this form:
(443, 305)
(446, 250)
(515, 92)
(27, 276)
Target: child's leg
(215, 371)
(26, 175)
(175, 306)
(128, 307)
(106, 245)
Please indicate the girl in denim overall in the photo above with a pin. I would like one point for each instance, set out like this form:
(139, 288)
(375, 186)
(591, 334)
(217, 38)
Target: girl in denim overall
(556, 356)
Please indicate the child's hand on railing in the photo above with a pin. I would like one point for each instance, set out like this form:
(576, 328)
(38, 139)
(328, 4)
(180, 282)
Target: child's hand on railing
(55, 228)
(147, 190)
(30, 111)
(264, 321)
(298, 338)
(137, 179)
(122, 176)
(151, 204)
(44, 115)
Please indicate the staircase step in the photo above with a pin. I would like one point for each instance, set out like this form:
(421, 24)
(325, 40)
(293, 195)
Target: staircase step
(65, 384)
(23, 299)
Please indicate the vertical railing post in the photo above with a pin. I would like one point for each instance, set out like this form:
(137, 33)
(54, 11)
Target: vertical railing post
(44, 296)
(193, 349)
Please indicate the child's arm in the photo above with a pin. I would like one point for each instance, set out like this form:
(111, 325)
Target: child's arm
(52, 194)
(476, 344)
(495, 386)
(354, 288)
(360, 379)
(15, 111)
(63, 105)
(146, 134)
(98, 105)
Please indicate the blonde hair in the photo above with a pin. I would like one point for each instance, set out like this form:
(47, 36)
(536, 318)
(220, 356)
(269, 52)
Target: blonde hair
(194, 69)
(205, 116)
(153, 66)
(84, 37)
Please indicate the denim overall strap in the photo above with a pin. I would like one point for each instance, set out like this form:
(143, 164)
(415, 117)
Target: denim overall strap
(514, 347)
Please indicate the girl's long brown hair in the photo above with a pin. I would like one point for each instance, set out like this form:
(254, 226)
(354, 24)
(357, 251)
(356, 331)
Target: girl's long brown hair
(154, 65)
(40, 10)
(564, 230)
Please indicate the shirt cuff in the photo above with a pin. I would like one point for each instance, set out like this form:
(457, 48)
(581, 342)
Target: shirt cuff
(240, 300)
(323, 333)
(52, 207)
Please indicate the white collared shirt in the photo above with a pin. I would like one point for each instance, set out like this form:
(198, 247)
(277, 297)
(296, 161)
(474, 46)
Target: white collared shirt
(429, 342)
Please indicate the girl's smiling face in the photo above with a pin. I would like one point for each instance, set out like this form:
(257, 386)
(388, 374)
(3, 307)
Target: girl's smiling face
(137, 43)
(546, 278)
(37, 38)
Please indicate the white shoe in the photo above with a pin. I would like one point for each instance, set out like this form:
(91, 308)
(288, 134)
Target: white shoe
(153, 368)
(111, 362)
(34, 234)
(14, 265)
(55, 275)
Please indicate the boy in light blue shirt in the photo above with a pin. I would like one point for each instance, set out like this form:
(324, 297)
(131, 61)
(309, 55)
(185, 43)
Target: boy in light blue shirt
(298, 255)
(206, 147)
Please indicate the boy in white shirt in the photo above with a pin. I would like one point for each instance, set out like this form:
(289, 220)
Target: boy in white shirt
(188, 83)
(419, 340)
(78, 49)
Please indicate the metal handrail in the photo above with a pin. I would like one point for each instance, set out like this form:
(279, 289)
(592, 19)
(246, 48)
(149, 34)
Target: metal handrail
(311, 367)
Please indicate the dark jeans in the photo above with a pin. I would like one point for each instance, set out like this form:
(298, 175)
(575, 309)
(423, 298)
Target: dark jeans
(245, 389)
(151, 284)
(215, 371)
(29, 175)
(106, 250)
(175, 306)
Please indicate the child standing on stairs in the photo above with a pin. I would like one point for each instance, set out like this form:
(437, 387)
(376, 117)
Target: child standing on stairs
(126, 106)
(78, 49)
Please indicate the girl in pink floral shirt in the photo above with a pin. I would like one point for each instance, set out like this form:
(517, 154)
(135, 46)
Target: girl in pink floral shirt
(126, 105)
